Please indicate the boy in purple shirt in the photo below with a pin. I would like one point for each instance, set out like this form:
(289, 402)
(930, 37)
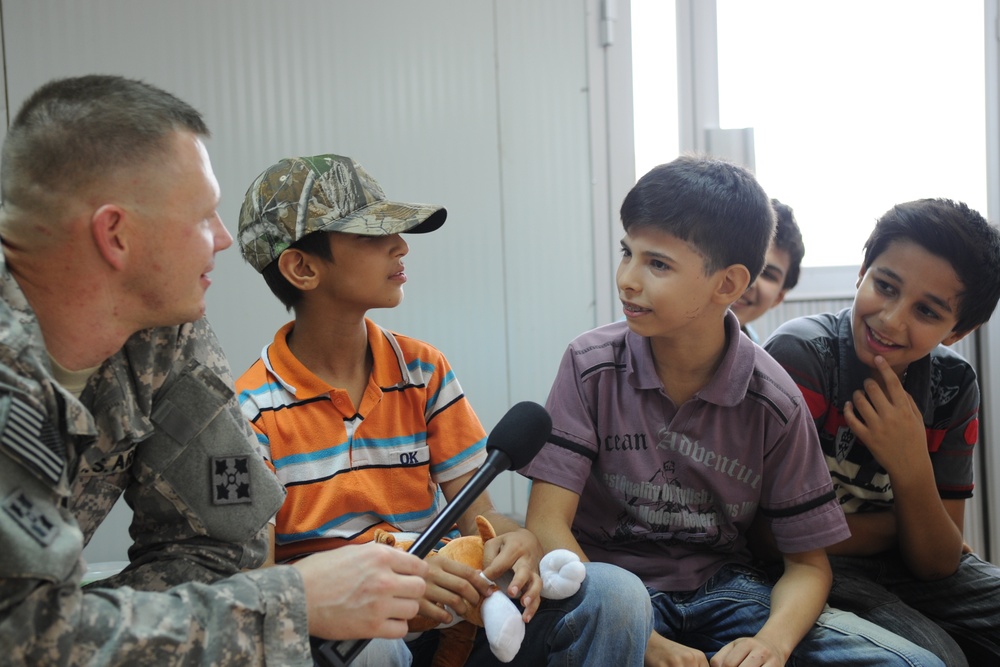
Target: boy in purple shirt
(672, 431)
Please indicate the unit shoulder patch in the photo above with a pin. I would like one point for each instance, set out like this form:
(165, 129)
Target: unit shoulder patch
(230, 480)
(34, 521)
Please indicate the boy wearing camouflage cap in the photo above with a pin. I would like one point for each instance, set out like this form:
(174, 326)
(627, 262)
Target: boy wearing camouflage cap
(364, 426)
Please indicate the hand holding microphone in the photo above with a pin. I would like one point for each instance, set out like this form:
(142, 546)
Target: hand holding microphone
(362, 590)
(514, 441)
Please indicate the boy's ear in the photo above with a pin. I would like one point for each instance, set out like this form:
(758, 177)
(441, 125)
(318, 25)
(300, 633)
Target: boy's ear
(781, 297)
(299, 269)
(956, 336)
(861, 276)
(733, 282)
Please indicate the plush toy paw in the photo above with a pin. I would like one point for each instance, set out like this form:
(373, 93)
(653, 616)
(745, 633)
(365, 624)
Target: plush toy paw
(562, 574)
(504, 626)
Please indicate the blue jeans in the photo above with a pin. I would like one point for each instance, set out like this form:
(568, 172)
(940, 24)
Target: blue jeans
(736, 602)
(958, 617)
(377, 653)
(384, 653)
(607, 622)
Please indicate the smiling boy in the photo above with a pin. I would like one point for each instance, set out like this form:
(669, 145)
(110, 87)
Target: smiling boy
(716, 434)
(897, 415)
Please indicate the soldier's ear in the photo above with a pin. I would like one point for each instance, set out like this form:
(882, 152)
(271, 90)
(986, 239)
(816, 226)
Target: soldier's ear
(109, 227)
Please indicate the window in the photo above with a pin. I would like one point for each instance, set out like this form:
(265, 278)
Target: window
(654, 83)
(855, 105)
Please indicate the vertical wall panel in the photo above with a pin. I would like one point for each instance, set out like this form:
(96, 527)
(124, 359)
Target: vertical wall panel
(548, 244)
(548, 266)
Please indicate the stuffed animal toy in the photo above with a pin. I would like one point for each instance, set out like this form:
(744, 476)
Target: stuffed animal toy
(562, 574)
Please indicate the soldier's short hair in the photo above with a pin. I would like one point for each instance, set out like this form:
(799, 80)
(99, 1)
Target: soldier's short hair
(72, 132)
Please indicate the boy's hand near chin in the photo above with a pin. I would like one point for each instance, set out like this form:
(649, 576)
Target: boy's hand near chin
(886, 418)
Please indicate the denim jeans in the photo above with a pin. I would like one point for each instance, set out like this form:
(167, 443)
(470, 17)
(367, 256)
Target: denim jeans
(736, 602)
(607, 622)
(377, 653)
(384, 653)
(958, 617)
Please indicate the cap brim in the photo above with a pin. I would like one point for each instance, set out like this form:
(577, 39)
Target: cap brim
(384, 218)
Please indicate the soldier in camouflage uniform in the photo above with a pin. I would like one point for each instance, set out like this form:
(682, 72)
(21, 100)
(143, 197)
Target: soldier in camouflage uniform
(112, 382)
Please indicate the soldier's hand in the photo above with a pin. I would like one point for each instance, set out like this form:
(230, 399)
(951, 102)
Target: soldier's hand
(362, 591)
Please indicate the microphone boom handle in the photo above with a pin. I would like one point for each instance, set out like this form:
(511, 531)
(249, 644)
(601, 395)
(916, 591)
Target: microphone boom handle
(443, 522)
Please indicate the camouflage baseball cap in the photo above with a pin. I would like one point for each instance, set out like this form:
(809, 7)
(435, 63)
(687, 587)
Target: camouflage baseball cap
(330, 193)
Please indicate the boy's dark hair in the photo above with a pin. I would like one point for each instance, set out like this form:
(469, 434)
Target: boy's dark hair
(716, 206)
(956, 233)
(316, 243)
(788, 237)
(72, 132)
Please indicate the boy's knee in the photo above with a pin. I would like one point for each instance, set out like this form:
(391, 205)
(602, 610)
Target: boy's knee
(620, 593)
(384, 653)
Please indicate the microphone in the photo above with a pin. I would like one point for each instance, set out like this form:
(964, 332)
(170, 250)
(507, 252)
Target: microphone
(512, 443)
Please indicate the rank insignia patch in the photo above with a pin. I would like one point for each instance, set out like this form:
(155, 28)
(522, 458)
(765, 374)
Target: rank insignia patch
(34, 522)
(230, 480)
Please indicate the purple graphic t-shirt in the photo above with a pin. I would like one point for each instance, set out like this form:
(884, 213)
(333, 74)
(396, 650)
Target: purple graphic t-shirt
(668, 492)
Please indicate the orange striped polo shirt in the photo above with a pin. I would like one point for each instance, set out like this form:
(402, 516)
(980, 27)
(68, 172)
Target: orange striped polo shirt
(351, 470)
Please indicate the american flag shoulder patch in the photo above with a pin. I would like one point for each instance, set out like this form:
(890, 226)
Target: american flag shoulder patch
(230, 480)
(31, 438)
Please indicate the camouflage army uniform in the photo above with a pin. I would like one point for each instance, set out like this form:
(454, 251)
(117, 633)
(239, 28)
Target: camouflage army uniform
(159, 423)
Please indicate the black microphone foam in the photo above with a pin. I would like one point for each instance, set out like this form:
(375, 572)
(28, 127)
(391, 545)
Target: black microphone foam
(521, 433)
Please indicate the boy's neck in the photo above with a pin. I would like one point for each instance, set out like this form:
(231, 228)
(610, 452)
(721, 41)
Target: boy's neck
(686, 364)
(335, 350)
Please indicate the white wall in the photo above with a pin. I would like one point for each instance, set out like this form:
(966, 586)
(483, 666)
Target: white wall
(487, 107)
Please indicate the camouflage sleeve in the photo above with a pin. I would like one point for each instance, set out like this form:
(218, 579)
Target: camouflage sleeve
(201, 496)
(251, 618)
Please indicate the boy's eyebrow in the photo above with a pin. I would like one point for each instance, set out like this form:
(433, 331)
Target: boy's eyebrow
(655, 254)
(889, 273)
(775, 268)
(649, 253)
